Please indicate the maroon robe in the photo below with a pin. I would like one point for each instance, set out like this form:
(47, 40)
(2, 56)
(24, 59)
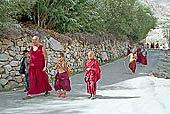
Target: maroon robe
(139, 55)
(132, 65)
(37, 77)
(62, 82)
(92, 76)
(144, 58)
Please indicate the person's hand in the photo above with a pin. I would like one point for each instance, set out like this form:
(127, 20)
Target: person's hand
(45, 69)
(88, 69)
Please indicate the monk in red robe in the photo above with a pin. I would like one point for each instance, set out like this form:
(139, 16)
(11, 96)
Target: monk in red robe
(37, 71)
(132, 60)
(139, 55)
(92, 72)
(144, 57)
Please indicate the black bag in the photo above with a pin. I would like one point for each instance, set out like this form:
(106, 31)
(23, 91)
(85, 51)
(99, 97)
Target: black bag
(22, 67)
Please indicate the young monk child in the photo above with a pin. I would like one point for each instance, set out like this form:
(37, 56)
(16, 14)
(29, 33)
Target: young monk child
(92, 72)
(132, 60)
(62, 82)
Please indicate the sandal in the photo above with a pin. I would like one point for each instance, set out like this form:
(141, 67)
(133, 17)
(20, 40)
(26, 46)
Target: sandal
(47, 94)
(27, 97)
(64, 96)
(60, 94)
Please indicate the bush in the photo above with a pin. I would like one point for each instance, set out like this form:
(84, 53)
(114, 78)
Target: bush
(122, 17)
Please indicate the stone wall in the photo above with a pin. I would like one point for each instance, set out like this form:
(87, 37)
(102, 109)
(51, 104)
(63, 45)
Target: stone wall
(75, 47)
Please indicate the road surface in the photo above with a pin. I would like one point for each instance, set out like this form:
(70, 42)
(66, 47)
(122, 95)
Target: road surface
(117, 93)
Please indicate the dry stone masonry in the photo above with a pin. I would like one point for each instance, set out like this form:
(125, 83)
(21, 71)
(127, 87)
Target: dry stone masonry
(75, 46)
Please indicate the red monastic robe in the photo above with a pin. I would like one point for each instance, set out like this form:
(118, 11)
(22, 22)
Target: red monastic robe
(139, 55)
(132, 64)
(92, 76)
(37, 77)
(144, 58)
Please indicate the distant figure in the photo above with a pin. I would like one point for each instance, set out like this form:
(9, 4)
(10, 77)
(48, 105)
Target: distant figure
(62, 81)
(129, 49)
(147, 45)
(144, 57)
(139, 54)
(132, 60)
(37, 71)
(92, 72)
(152, 45)
(157, 45)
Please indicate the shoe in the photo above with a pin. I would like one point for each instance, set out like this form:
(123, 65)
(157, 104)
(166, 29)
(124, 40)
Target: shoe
(93, 97)
(27, 97)
(64, 96)
(60, 94)
(89, 96)
(47, 94)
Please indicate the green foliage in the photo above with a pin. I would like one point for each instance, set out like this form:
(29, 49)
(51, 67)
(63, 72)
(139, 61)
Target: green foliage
(122, 17)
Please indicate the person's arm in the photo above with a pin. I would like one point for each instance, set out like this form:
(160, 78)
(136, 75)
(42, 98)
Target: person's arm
(126, 57)
(46, 58)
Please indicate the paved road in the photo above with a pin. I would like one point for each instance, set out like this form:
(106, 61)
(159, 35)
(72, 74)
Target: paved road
(77, 101)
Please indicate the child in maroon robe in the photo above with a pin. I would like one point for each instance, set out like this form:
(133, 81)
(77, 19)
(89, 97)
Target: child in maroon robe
(144, 57)
(132, 60)
(62, 81)
(92, 72)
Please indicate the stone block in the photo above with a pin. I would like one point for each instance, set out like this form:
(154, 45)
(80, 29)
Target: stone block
(3, 57)
(12, 53)
(20, 43)
(3, 81)
(54, 44)
(7, 42)
(18, 79)
(4, 76)
(14, 63)
(12, 84)
(2, 70)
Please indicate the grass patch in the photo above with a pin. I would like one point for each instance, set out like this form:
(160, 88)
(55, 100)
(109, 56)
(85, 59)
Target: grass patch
(10, 89)
(5, 89)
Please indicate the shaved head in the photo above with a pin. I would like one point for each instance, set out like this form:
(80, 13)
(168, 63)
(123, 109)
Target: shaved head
(35, 38)
(90, 55)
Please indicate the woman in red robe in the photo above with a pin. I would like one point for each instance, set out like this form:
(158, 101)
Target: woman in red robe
(144, 57)
(92, 72)
(37, 71)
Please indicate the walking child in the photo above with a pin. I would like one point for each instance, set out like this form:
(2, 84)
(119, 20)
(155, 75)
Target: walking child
(62, 81)
(92, 72)
(24, 68)
(27, 62)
